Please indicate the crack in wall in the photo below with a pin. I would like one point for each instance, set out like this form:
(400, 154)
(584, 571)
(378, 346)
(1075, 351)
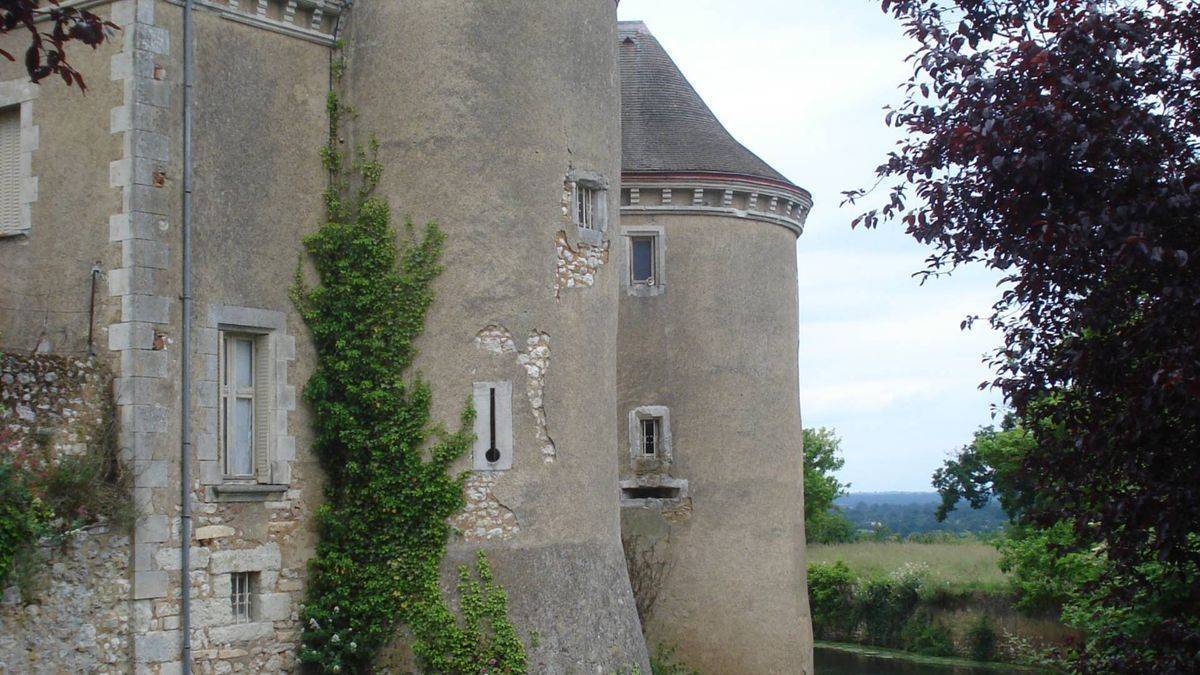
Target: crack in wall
(536, 361)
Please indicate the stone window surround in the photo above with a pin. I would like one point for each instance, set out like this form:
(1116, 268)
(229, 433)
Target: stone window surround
(21, 92)
(664, 454)
(598, 182)
(504, 426)
(281, 447)
(659, 233)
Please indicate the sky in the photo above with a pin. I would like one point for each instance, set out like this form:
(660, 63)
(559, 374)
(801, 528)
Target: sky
(803, 83)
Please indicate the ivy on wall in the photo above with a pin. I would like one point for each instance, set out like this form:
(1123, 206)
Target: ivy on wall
(383, 526)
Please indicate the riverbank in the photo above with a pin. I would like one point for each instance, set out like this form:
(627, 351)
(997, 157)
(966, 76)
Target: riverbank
(839, 658)
(944, 600)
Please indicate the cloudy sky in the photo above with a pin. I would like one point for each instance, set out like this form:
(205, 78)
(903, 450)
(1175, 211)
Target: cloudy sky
(882, 358)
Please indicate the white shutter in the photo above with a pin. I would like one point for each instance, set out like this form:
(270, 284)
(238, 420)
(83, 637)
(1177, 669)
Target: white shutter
(10, 170)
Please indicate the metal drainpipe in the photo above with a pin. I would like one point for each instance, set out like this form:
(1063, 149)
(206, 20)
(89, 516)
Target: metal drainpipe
(185, 361)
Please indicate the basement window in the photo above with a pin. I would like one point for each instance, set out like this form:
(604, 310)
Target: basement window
(242, 588)
(651, 492)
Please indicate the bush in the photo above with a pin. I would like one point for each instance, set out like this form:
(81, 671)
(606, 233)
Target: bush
(982, 639)
(23, 518)
(663, 662)
(925, 635)
(831, 596)
(885, 605)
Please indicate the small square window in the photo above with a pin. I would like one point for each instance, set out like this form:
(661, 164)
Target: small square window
(641, 263)
(651, 435)
(245, 404)
(243, 586)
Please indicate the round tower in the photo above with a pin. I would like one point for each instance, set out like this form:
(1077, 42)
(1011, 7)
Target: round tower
(710, 450)
(500, 121)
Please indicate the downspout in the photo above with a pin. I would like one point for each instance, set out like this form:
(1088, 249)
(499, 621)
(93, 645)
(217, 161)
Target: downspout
(185, 361)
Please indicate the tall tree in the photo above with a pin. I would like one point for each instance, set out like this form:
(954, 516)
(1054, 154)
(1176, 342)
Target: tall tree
(1057, 141)
(50, 27)
(823, 521)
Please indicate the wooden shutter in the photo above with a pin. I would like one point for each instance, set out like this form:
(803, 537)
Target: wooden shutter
(10, 170)
(264, 390)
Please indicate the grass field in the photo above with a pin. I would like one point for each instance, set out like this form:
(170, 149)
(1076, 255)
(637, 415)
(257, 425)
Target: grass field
(966, 566)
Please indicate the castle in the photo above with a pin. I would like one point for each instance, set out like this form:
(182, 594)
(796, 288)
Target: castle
(618, 299)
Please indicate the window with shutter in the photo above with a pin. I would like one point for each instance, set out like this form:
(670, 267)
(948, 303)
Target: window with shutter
(10, 169)
(245, 406)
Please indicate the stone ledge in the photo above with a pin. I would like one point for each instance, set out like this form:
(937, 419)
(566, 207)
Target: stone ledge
(244, 492)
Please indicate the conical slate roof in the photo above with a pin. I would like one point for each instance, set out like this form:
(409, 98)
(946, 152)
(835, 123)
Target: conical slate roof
(665, 126)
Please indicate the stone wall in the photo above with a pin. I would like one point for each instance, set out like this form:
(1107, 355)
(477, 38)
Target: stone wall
(77, 620)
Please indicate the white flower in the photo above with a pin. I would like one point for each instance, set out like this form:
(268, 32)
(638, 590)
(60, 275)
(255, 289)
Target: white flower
(335, 639)
(312, 623)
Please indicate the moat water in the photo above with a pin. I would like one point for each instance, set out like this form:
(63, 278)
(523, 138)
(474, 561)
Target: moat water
(837, 662)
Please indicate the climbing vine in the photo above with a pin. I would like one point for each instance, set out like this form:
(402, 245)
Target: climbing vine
(389, 493)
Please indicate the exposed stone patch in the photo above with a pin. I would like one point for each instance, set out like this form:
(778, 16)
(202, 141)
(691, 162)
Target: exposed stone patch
(536, 361)
(484, 517)
(58, 401)
(576, 267)
(53, 406)
(80, 623)
(496, 339)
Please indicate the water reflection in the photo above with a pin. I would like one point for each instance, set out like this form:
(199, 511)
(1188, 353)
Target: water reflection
(835, 662)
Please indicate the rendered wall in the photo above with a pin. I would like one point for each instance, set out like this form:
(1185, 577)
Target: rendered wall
(482, 110)
(719, 348)
(45, 274)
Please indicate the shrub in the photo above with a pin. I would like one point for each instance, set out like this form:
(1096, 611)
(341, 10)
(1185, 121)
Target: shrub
(831, 595)
(885, 605)
(23, 517)
(981, 639)
(925, 635)
(663, 662)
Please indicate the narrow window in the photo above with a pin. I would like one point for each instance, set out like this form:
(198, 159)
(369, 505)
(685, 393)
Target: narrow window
(586, 210)
(493, 453)
(245, 404)
(642, 261)
(10, 169)
(651, 433)
(241, 595)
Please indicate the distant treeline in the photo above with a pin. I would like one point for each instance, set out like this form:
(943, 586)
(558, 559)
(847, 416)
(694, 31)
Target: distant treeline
(905, 513)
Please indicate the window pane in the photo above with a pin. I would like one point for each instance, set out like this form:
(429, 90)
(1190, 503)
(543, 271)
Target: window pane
(643, 259)
(241, 455)
(243, 363)
(649, 436)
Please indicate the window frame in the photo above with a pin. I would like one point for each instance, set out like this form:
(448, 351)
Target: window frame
(664, 453)
(589, 209)
(657, 283)
(650, 449)
(243, 601)
(259, 393)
